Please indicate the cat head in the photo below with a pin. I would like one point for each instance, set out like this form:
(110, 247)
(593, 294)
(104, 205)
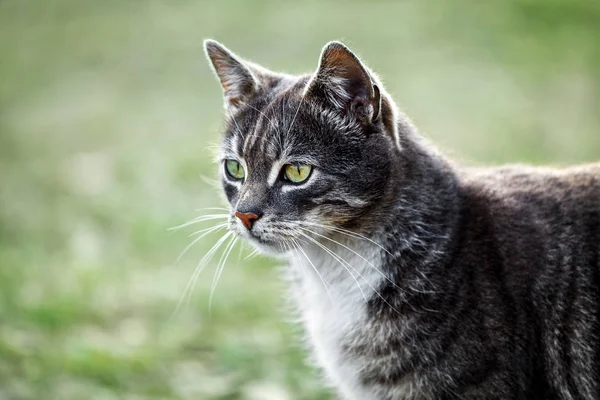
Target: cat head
(304, 154)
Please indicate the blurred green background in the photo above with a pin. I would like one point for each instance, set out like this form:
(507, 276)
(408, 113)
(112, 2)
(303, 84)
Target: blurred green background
(109, 116)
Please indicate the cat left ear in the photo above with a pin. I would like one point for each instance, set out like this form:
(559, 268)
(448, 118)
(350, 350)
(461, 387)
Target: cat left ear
(238, 82)
(346, 84)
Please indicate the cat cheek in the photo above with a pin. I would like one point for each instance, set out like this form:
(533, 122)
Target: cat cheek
(231, 192)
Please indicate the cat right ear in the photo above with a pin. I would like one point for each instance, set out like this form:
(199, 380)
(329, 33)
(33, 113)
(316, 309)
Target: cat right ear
(346, 84)
(238, 82)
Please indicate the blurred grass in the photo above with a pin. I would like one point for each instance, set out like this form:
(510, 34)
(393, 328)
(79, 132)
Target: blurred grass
(107, 114)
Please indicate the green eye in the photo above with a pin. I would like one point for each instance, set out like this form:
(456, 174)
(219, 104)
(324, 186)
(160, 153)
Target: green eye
(296, 173)
(235, 169)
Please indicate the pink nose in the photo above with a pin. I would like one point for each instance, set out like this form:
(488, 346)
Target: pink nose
(247, 218)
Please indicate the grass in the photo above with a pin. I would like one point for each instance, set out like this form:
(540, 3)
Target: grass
(108, 112)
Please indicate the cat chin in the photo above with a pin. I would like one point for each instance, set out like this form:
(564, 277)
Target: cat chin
(273, 251)
(267, 248)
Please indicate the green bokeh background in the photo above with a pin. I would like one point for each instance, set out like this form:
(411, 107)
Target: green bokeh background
(109, 116)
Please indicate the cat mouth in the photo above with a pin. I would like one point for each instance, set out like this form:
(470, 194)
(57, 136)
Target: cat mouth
(257, 238)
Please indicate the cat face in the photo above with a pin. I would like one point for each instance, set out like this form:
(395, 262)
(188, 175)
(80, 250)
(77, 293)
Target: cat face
(302, 156)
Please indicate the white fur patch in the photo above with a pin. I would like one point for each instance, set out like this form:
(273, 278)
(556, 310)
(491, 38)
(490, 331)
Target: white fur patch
(274, 174)
(330, 316)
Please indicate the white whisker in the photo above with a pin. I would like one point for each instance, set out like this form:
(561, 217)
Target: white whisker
(290, 249)
(215, 183)
(234, 121)
(263, 114)
(252, 254)
(198, 220)
(359, 255)
(341, 261)
(198, 270)
(204, 233)
(219, 270)
(296, 114)
(325, 283)
(348, 233)
(211, 208)
(372, 288)
(221, 225)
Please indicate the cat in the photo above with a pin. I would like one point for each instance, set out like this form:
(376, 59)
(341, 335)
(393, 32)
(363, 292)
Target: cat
(414, 277)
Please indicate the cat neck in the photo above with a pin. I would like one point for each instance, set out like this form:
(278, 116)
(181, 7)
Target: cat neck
(424, 217)
(411, 231)
(338, 262)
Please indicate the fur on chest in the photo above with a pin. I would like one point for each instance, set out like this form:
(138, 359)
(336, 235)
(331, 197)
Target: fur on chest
(331, 294)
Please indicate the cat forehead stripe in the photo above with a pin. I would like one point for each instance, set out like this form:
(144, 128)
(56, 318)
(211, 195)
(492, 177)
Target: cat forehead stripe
(275, 172)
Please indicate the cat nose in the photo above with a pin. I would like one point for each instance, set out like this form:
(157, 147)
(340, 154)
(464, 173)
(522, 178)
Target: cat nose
(247, 218)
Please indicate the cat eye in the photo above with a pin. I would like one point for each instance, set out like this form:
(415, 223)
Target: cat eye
(234, 169)
(296, 173)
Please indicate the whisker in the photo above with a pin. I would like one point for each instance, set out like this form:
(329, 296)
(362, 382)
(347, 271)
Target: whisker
(204, 233)
(342, 231)
(250, 135)
(198, 270)
(290, 249)
(209, 216)
(198, 220)
(371, 286)
(263, 114)
(235, 122)
(213, 182)
(353, 234)
(339, 259)
(348, 233)
(359, 255)
(296, 114)
(203, 263)
(325, 283)
(211, 208)
(252, 254)
(219, 270)
(222, 224)
(241, 250)
(212, 147)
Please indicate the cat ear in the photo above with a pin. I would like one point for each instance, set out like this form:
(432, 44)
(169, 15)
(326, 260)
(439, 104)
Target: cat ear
(238, 82)
(346, 84)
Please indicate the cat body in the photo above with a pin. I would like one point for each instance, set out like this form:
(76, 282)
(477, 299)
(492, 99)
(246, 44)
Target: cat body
(414, 278)
(502, 289)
